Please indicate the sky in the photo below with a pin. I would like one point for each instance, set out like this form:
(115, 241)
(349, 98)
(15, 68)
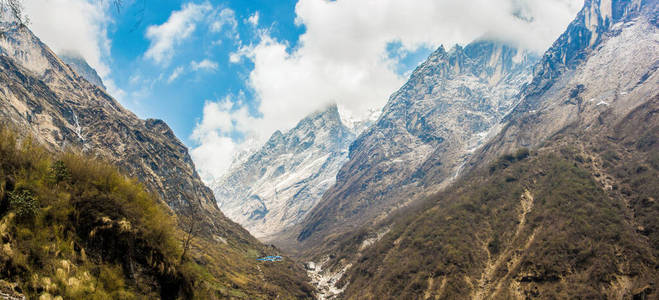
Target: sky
(226, 74)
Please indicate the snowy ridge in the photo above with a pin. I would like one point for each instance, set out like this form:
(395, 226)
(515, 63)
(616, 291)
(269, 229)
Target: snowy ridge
(427, 131)
(272, 188)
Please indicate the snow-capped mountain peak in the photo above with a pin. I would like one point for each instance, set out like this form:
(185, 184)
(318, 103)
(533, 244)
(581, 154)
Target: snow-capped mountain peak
(274, 187)
(427, 129)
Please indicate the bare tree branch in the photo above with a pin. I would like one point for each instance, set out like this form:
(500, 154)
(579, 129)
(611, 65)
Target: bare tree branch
(191, 225)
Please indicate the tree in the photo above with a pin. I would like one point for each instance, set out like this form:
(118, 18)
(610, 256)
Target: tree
(59, 172)
(190, 222)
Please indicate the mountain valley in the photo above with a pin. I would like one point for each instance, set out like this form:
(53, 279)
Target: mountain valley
(493, 172)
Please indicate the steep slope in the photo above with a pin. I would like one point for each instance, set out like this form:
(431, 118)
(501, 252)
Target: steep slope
(46, 99)
(71, 224)
(80, 66)
(605, 63)
(576, 217)
(424, 135)
(277, 185)
(542, 227)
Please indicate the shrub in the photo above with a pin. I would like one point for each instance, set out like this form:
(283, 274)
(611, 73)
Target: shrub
(59, 172)
(23, 202)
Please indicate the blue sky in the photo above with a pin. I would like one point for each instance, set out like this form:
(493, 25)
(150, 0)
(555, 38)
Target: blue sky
(226, 74)
(152, 92)
(180, 101)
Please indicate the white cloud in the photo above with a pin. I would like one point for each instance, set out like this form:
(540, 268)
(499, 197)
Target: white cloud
(254, 19)
(135, 79)
(342, 55)
(236, 57)
(205, 64)
(221, 18)
(77, 27)
(176, 29)
(175, 74)
(222, 119)
(214, 146)
(73, 26)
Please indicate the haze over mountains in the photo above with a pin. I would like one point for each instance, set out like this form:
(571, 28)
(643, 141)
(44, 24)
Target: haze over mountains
(492, 173)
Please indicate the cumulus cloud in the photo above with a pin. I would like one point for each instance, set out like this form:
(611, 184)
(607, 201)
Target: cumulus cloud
(74, 26)
(182, 23)
(205, 64)
(165, 37)
(214, 146)
(217, 135)
(342, 57)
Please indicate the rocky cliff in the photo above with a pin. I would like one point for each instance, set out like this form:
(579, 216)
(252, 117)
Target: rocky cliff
(277, 185)
(47, 99)
(59, 107)
(80, 66)
(427, 130)
(603, 63)
(561, 202)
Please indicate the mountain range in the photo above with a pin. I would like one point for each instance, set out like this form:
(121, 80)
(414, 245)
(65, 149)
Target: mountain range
(426, 132)
(558, 203)
(464, 116)
(492, 173)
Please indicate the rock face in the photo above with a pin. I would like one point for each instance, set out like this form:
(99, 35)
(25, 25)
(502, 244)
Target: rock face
(426, 132)
(605, 61)
(47, 99)
(277, 185)
(80, 66)
(574, 219)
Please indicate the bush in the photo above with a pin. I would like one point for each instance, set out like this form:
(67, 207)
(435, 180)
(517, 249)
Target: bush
(59, 172)
(507, 160)
(24, 204)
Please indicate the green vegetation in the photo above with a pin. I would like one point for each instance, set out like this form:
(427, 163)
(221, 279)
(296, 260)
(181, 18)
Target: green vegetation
(24, 204)
(541, 222)
(74, 227)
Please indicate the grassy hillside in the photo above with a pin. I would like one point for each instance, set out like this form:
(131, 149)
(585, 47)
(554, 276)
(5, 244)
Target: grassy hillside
(72, 226)
(577, 218)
